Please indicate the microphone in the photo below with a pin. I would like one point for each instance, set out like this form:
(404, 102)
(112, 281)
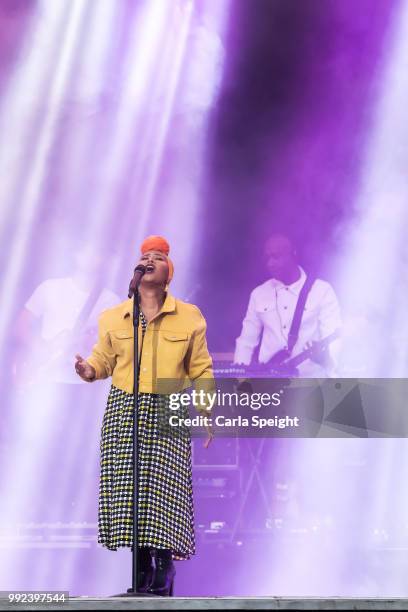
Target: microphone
(137, 277)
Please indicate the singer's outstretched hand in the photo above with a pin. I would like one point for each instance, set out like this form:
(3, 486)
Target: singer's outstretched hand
(84, 369)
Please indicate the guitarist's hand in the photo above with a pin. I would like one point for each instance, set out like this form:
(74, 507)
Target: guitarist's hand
(84, 369)
(319, 353)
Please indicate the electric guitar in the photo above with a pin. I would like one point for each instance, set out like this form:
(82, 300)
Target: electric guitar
(50, 359)
(280, 364)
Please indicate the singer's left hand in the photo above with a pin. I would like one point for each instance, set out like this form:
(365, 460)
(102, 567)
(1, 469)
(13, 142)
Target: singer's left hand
(210, 432)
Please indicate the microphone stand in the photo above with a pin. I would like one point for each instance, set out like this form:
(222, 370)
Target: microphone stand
(134, 288)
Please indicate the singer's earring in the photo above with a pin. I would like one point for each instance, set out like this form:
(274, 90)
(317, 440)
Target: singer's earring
(166, 287)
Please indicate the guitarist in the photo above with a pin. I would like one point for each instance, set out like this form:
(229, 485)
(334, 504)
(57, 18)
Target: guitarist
(60, 315)
(274, 322)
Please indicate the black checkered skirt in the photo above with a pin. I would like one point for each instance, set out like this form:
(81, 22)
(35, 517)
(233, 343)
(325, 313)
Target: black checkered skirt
(165, 505)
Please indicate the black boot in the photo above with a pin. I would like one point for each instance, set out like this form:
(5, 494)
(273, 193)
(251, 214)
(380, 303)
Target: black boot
(145, 569)
(164, 574)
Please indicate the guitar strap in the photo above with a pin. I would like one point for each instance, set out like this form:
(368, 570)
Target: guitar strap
(297, 317)
(86, 309)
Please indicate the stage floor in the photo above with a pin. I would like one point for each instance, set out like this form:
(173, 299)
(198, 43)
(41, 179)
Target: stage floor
(214, 603)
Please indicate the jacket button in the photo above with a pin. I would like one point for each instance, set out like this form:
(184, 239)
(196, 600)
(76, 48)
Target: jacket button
(144, 369)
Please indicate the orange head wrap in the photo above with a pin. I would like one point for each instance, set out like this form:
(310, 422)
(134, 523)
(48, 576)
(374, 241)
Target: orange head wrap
(158, 243)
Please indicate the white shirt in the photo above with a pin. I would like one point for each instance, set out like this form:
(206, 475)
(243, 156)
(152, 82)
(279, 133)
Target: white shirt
(270, 313)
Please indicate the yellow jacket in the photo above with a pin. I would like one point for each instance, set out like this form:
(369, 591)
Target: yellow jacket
(174, 348)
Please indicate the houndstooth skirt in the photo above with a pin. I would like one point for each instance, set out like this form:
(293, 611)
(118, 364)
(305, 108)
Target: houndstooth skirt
(165, 510)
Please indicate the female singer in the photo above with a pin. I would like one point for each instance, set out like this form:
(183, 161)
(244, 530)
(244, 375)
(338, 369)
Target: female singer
(172, 346)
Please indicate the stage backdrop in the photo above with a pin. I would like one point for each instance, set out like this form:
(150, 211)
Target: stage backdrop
(215, 123)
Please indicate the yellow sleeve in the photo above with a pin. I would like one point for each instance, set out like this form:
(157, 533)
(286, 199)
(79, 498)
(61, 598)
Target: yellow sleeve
(102, 358)
(198, 363)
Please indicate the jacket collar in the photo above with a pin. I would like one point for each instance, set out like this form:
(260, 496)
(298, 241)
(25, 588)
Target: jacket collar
(169, 305)
(294, 287)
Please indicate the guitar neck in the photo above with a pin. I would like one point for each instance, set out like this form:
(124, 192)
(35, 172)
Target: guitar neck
(298, 359)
